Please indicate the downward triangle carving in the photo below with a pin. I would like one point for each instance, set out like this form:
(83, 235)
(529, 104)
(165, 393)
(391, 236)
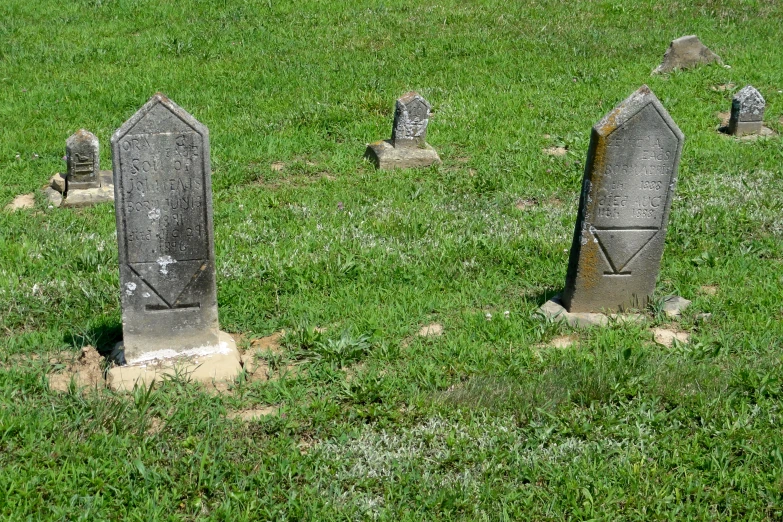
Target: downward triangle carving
(621, 246)
(169, 280)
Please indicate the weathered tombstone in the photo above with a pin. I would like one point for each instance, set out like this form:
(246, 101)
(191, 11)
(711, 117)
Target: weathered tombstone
(684, 53)
(747, 112)
(627, 192)
(408, 147)
(83, 183)
(81, 152)
(163, 204)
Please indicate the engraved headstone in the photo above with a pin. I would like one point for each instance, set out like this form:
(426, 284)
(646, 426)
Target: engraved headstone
(747, 112)
(411, 116)
(408, 147)
(163, 203)
(627, 192)
(81, 153)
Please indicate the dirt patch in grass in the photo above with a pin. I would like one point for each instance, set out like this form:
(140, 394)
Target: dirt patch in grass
(254, 413)
(86, 371)
(708, 290)
(431, 330)
(21, 202)
(555, 151)
(666, 337)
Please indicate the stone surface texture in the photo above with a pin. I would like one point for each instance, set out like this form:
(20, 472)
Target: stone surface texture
(684, 53)
(408, 147)
(54, 197)
(217, 363)
(628, 185)
(554, 310)
(674, 305)
(411, 116)
(747, 112)
(386, 156)
(77, 198)
(58, 183)
(81, 155)
(163, 207)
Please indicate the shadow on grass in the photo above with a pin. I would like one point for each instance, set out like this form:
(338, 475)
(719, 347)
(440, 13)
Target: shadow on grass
(102, 334)
(609, 377)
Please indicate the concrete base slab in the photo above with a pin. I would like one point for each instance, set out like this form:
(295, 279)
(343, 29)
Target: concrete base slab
(75, 198)
(385, 156)
(209, 364)
(554, 309)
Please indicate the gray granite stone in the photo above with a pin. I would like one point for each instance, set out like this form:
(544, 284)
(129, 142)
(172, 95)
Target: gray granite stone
(684, 53)
(555, 311)
(163, 203)
(408, 147)
(81, 155)
(747, 112)
(54, 197)
(411, 116)
(627, 191)
(674, 305)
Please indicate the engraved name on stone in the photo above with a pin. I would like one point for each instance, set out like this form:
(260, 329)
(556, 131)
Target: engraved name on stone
(624, 207)
(163, 202)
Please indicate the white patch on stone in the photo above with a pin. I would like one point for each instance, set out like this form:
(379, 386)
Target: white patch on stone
(154, 213)
(145, 294)
(202, 351)
(129, 288)
(164, 262)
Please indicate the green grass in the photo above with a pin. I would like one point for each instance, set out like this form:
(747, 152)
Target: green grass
(485, 422)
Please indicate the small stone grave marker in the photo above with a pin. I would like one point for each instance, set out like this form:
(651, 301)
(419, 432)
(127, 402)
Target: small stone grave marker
(747, 112)
(83, 183)
(627, 192)
(163, 204)
(408, 147)
(81, 153)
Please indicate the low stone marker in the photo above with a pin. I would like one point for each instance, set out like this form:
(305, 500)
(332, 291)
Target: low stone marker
(163, 206)
(83, 183)
(81, 154)
(747, 112)
(408, 147)
(627, 192)
(686, 52)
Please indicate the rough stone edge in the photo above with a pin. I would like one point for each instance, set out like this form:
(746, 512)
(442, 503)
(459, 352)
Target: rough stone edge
(554, 310)
(201, 368)
(661, 70)
(385, 156)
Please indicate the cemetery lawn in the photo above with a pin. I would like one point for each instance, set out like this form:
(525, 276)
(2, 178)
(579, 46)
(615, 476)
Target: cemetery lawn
(351, 415)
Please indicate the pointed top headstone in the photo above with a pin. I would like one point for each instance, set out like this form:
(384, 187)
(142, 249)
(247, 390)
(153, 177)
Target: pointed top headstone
(163, 203)
(83, 159)
(747, 111)
(624, 207)
(411, 116)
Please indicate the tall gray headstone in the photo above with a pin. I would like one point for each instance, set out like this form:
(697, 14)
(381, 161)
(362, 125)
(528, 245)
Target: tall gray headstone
(81, 154)
(747, 112)
(163, 203)
(627, 192)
